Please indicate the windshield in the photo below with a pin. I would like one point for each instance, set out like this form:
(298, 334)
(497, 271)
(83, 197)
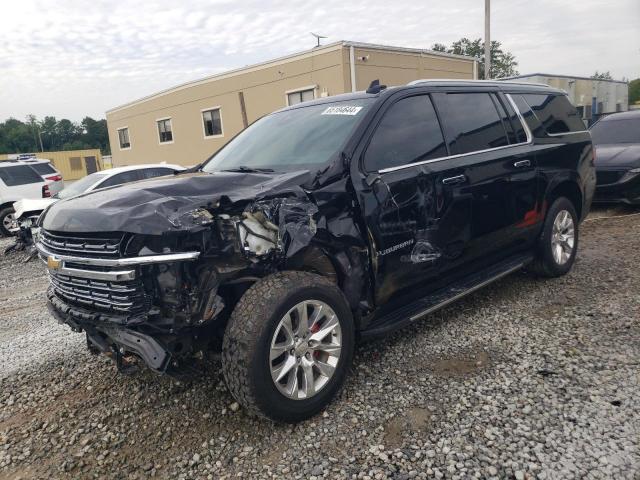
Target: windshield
(301, 138)
(80, 186)
(616, 131)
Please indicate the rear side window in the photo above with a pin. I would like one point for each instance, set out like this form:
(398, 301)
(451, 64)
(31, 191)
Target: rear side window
(120, 178)
(517, 133)
(555, 112)
(408, 133)
(473, 122)
(19, 175)
(155, 172)
(43, 168)
(532, 121)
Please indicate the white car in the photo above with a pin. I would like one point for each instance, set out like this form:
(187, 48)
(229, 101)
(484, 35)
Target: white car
(31, 208)
(18, 180)
(48, 172)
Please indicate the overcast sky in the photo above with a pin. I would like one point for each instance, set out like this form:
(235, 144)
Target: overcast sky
(72, 58)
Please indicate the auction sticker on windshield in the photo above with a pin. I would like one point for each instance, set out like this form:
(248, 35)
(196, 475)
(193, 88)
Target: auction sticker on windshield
(343, 110)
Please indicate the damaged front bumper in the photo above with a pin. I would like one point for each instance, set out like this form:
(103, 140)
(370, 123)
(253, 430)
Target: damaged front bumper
(109, 299)
(104, 335)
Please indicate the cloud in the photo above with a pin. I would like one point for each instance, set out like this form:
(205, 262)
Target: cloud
(73, 58)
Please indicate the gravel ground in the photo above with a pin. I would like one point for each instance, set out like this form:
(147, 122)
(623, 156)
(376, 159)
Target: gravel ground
(524, 379)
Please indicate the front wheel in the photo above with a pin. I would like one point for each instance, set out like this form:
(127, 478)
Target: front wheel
(558, 244)
(288, 346)
(8, 225)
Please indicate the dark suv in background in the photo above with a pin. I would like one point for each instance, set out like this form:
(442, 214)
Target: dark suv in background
(340, 218)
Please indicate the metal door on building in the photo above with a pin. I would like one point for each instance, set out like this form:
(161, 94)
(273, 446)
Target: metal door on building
(91, 165)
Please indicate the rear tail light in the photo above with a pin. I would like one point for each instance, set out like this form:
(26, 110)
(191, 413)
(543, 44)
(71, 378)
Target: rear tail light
(54, 178)
(45, 191)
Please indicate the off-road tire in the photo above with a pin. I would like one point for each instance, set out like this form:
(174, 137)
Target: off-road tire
(544, 264)
(3, 213)
(246, 343)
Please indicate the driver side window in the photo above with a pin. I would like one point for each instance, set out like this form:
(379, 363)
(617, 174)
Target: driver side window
(408, 133)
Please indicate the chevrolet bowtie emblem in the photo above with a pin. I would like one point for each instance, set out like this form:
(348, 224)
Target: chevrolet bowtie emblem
(53, 263)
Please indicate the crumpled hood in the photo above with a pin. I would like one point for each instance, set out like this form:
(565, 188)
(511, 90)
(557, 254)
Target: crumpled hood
(166, 204)
(618, 155)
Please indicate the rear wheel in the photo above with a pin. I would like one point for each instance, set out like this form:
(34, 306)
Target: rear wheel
(558, 243)
(8, 226)
(288, 346)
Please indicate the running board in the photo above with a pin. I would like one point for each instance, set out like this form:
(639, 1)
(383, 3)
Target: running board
(441, 298)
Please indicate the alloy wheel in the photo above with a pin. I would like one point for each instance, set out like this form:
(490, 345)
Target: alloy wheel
(305, 349)
(562, 237)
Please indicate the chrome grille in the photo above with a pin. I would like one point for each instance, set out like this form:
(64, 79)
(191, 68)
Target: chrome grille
(99, 246)
(122, 297)
(606, 177)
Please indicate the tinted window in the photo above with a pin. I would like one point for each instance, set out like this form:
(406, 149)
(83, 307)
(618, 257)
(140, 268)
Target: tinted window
(120, 178)
(555, 112)
(532, 121)
(473, 122)
(409, 132)
(19, 175)
(517, 133)
(155, 172)
(616, 131)
(43, 168)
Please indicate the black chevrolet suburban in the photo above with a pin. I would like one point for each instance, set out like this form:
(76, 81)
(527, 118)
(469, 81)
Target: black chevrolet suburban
(320, 224)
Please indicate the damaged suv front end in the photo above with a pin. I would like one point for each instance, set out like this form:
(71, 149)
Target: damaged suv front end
(151, 271)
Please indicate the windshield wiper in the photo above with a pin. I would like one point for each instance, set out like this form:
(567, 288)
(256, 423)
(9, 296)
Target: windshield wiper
(244, 168)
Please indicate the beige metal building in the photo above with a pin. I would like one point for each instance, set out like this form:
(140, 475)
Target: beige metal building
(189, 122)
(72, 164)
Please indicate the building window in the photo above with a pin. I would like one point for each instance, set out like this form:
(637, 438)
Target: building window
(300, 96)
(164, 130)
(212, 122)
(75, 163)
(123, 136)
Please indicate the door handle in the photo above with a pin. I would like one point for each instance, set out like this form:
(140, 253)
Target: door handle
(454, 180)
(522, 163)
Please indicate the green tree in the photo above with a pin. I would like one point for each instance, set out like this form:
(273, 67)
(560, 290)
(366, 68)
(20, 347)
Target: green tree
(50, 134)
(503, 64)
(634, 91)
(602, 76)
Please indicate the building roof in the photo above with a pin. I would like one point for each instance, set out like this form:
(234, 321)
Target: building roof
(572, 77)
(289, 58)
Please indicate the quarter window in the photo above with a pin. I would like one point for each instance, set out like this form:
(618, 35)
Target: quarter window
(123, 137)
(473, 123)
(300, 96)
(555, 112)
(212, 122)
(164, 130)
(408, 133)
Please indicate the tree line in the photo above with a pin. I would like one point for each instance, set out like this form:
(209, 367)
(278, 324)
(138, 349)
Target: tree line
(51, 134)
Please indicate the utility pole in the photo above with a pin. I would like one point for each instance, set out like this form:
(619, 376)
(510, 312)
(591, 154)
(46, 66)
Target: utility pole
(487, 39)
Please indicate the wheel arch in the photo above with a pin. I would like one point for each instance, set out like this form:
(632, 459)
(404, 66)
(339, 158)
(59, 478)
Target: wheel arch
(570, 189)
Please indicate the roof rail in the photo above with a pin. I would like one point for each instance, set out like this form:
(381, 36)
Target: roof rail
(460, 80)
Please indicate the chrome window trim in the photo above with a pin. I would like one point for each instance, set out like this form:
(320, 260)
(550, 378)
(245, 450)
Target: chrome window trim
(475, 152)
(568, 133)
(121, 262)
